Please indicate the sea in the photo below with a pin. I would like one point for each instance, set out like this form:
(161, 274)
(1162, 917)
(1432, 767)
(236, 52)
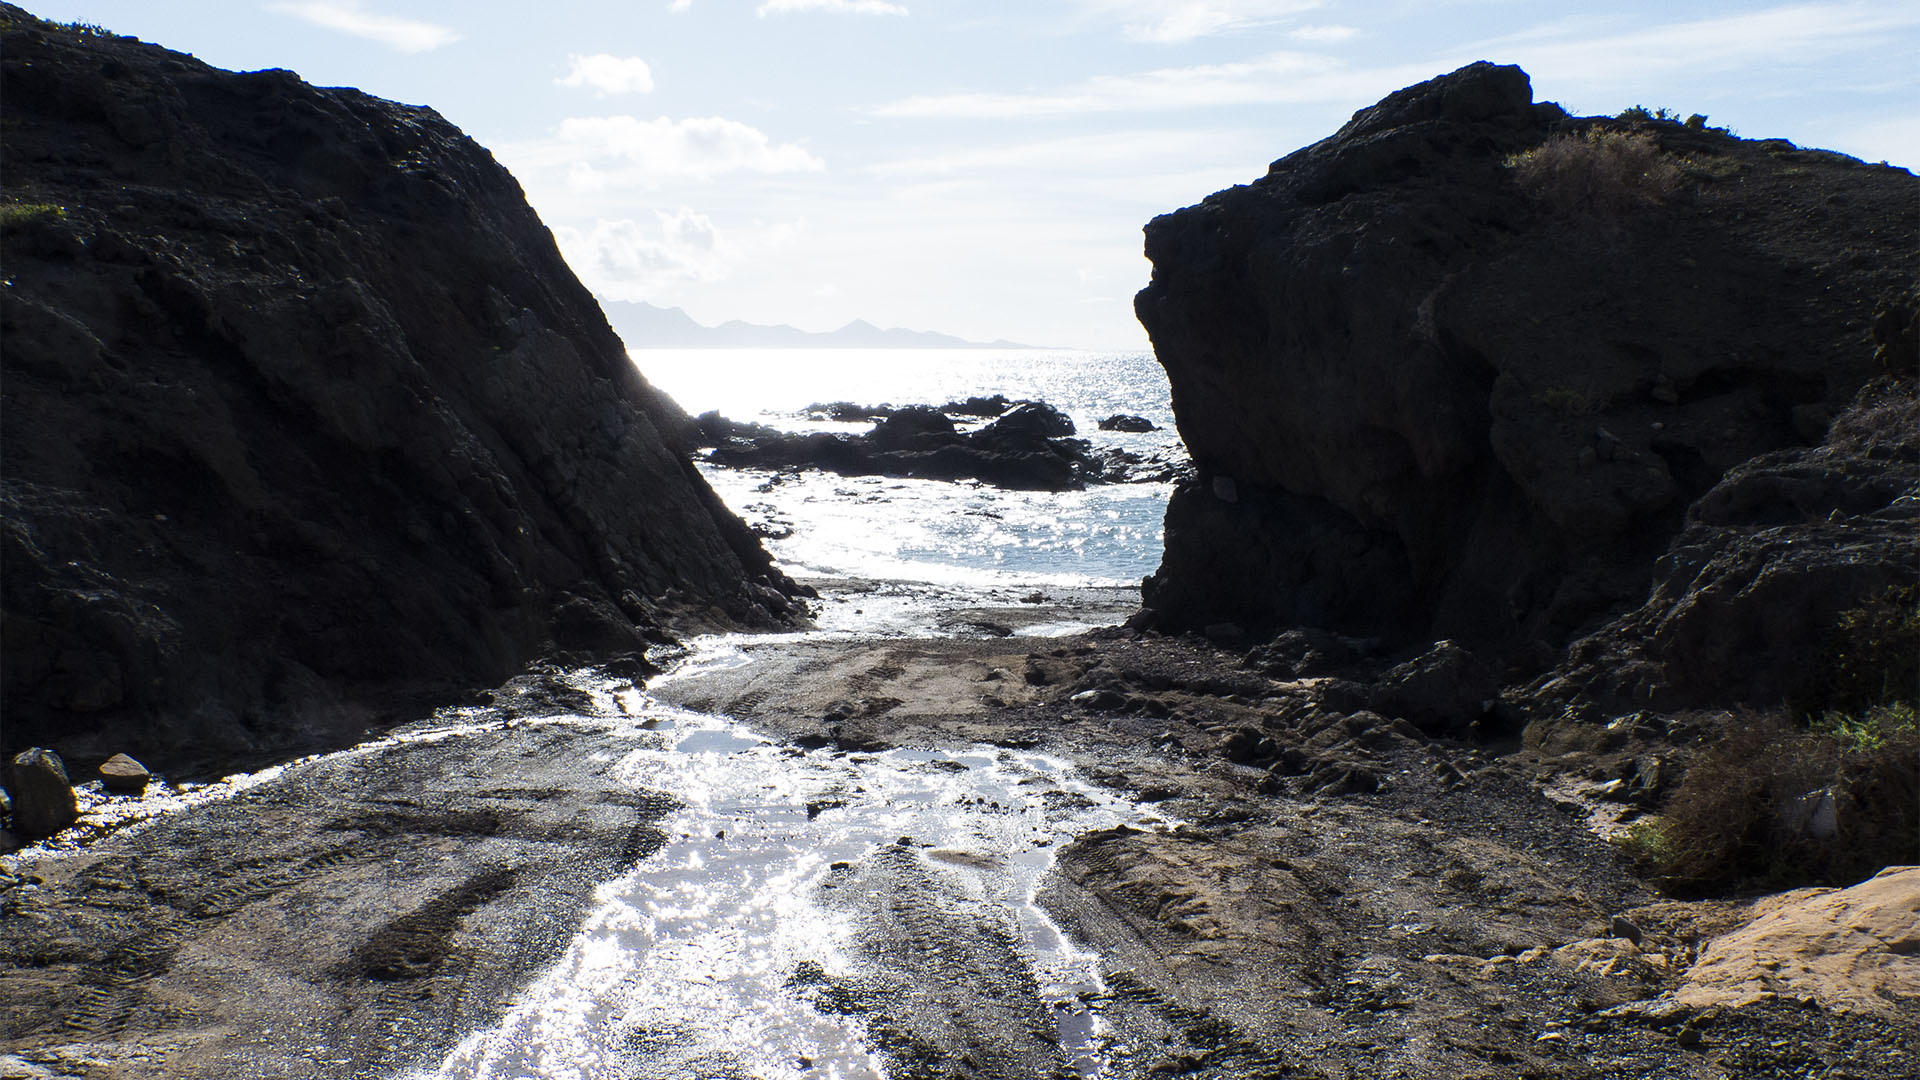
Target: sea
(920, 545)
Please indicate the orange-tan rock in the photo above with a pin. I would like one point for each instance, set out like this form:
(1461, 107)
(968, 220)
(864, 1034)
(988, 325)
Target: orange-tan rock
(1855, 948)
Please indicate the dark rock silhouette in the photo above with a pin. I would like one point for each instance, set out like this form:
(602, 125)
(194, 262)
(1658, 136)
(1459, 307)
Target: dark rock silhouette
(1034, 419)
(1027, 447)
(1427, 400)
(979, 405)
(42, 796)
(1127, 422)
(305, 416)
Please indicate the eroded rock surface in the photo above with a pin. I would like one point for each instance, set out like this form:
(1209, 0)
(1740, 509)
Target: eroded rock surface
(303, 411)
(1851, 948)
(1333, 892)
(1426, 401)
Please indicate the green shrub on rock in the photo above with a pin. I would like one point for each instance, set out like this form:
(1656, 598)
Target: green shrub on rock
(1778, 805)
(1600, 171)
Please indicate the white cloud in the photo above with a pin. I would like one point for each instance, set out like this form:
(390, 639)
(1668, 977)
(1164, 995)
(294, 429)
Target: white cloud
(347, 16)
(838, 7)
(1134, 155)
(1176, 21)
(609, 74)
(1323, 35)
(1279, 77)
(625, 259)
(1591, 53)
(646, 151)
(1597, 49)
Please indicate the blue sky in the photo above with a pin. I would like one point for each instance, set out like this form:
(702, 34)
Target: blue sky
(984, 167)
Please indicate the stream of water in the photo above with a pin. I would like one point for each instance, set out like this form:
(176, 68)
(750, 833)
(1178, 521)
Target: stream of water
(700, 960)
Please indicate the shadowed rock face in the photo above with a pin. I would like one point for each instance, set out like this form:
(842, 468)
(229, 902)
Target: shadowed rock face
(1428, 401)
(302, 409)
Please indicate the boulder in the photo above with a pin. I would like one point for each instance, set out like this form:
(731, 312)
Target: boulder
(43, 799)
(1127, 422)
(123, 775)
(978, 405)
(1451, 402)
(910, 428)
(1845, 948)
(848, 412)
(307, 424)
(1031, 419)
(1445, 690)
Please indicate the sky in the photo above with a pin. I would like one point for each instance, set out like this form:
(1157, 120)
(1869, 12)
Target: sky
(984, 167)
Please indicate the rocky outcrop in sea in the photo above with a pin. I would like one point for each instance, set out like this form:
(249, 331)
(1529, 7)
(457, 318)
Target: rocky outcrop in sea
(1022, 446)
(305, 416)
(1475, 371)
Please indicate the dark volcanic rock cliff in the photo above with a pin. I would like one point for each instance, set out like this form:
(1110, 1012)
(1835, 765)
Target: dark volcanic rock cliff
(1432, 394)
(303, 408)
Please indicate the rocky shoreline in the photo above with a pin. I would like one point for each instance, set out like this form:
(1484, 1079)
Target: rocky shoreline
(1333, 893)
(1520, 511)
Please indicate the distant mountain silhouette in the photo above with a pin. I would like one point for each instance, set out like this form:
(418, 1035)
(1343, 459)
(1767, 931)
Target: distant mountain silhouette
(644, 326)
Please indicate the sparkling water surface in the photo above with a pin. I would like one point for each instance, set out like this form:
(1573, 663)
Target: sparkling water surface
(686, 964)
(960, 536)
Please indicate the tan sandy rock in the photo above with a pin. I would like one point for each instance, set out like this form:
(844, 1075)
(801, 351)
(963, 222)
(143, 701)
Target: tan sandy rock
(1855, 948)
(1613, 956)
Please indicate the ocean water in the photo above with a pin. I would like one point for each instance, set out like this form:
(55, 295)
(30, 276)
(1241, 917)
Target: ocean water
(957, 541)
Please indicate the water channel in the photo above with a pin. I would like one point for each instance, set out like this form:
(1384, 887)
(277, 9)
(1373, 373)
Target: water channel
(718, 955)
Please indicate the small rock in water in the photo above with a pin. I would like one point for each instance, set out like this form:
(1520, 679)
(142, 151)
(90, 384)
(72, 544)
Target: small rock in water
(125, 776)
(43, 800)
(1127, 422)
